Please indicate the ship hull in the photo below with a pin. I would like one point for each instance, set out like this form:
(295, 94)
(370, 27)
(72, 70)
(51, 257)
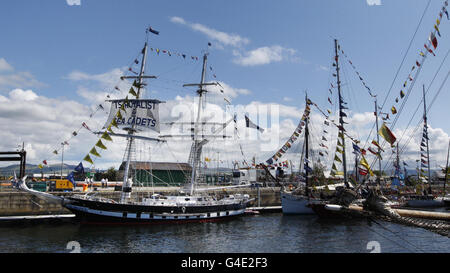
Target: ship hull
(329, 211)
(96, 212)
(426, 201)
(295, 204)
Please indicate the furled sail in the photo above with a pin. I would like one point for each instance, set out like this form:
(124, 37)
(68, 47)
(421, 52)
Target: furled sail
(143, 114)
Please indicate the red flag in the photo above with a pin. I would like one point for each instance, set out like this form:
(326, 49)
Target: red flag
(433, 40)
(429, 50)
(417, 63)
(372, 151)
(362, 172)
(85, 126)
(45, 162)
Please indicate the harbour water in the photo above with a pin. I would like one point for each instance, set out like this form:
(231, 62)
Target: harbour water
(264, 233)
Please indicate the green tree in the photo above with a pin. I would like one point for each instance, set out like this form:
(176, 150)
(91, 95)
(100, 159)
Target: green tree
(111, 174)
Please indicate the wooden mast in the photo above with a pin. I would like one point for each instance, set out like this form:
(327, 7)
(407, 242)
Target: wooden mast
(307, 151)
(341, 121)
(426, 138)
(446, 167)
(378, 140)
(197, 144)
(126, 186)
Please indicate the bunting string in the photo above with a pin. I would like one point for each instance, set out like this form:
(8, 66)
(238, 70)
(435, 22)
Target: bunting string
(293, 138)
(430, 46)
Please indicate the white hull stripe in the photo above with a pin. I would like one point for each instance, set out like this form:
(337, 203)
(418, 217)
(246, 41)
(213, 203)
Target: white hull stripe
(156, 216)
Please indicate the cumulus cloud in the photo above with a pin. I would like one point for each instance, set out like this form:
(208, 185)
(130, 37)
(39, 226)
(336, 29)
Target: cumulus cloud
(259, 56)
(227, 39)
(263, 55)
(96, 87)
(16, 79)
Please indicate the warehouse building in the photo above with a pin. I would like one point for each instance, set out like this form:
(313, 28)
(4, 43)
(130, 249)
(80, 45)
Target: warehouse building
(160, 173)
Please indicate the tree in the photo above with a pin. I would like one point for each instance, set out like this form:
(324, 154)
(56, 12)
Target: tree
(111, 174)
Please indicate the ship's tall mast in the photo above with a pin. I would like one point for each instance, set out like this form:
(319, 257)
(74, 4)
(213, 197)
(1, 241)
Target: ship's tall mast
(126, 186)
(426, 138)
(446, 167)
(198, 143)
(307, 151)
(378, 140)
(341, 121)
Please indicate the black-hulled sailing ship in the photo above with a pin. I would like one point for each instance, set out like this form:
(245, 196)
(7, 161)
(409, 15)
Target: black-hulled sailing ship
(343, 195)
(192, 204)
(296, 201)
(426, 199)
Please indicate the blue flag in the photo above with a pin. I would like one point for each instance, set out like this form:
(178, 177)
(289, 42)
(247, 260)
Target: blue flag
(356, 148)
(308, 169)
(79, 168)
(71, 179)
(153, 31)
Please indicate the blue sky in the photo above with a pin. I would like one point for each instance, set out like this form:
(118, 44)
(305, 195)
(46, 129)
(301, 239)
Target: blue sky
(269, 50)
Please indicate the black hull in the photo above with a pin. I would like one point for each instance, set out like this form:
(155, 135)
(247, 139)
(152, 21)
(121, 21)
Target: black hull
(133, 208)
(92, 219)
(97, 212)
(323, 212)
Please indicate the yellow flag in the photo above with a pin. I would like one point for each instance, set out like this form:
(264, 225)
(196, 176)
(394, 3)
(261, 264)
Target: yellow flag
(393, 110)
(337, 159)
(100, 145)
(132, 92)
(114, 123)
(364, 163)
(386, 134)
(40, 166)
(110, 130)
(88, 159)
(119, 115)
(94, 152)
(106, 136)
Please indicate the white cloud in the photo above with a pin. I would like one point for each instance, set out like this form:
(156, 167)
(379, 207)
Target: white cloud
(5, 66)
(263, 55)
(260, 56)
(373, 2)
(19, 94)
(222, 37)
(10, 79)
(96, 87)
(19, 80)
(73, 2)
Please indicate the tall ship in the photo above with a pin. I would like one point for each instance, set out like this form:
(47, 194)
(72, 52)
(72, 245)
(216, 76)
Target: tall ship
(426, 199)
(296, 201)
(191, 204)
